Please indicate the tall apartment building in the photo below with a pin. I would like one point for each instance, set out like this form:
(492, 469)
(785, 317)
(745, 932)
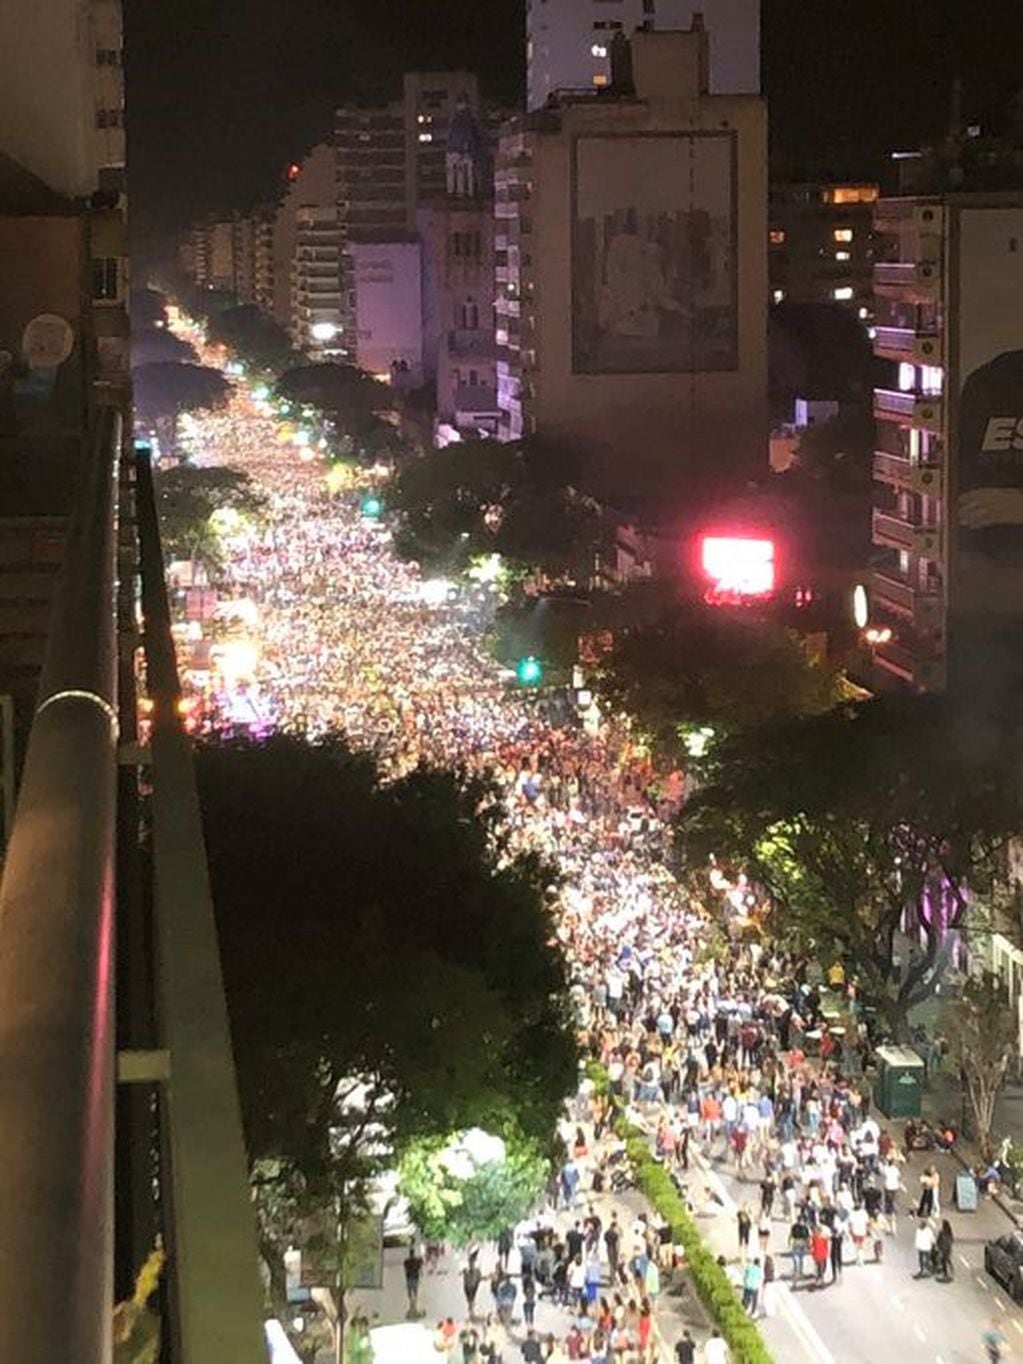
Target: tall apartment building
(947, 579)
(311, 186)
(62, 95)
(568, 42)
(822, 245)
(456, 233)
(632, 268)
(316, 282)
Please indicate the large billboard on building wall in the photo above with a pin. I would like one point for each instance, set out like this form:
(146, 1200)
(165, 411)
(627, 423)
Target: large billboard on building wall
(654, 282)
(988, 459)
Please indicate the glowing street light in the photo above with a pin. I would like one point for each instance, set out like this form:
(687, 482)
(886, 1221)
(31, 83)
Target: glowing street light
(529, 671)
(324, 331)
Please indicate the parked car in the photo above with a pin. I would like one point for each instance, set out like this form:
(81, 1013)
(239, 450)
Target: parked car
(1003, 1260)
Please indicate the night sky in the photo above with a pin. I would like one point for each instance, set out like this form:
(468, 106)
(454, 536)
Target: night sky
(223, 93)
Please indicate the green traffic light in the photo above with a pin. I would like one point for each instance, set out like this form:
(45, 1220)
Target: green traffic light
(372, 506)
(529, 671)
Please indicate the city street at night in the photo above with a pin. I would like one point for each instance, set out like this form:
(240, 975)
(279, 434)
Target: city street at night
(345, 635)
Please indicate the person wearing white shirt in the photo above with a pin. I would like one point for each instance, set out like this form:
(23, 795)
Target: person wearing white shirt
(715, 1351)
(923, 1243)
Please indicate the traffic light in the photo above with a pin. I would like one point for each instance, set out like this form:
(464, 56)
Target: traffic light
(529, 671)
(372, 506)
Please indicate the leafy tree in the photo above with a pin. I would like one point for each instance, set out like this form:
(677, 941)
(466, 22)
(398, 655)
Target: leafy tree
(457, 1198)
(348, 393)
(683, 663)
(859, 821)
(519, 500)
(164, 389)
(981, 1029)
(155, 345)
(252, 335)
(188, 498)
(389, 965)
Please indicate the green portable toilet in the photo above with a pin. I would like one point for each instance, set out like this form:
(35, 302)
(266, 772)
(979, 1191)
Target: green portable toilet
(899, 1087)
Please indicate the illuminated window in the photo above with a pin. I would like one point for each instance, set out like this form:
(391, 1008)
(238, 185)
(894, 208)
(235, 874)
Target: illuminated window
(600, 79)
(778, 295)
(841, 255)
(842, 234)
(106, 275)
(842, 294)
(598, 50)
(907, 377)
(852, 194)
(863, 314)
(777, 236)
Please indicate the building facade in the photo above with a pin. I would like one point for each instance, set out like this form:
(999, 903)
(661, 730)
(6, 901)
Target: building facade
(386, 279)
(62, 96)
(456, 234)
(946, 589)
(315, 324)
(821, 239)
(631, 265)
(568, 42)
(311, 186)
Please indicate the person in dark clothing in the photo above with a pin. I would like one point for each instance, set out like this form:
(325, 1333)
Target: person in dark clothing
(943, 1252)
(471, 1279)
(505, 1241)
(685, 1350)
(413, 1267)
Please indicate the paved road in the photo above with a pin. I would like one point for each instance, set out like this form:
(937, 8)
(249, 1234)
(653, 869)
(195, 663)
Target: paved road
(880, 1313)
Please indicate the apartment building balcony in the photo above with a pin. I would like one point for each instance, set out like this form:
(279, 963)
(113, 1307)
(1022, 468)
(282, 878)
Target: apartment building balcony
(893, 532)
(913, 281)
(905, 343)
(894, 594)
(909, 666)
(899, 472)
(909, 409)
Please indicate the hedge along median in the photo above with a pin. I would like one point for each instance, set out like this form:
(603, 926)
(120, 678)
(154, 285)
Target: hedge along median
(710, 1280)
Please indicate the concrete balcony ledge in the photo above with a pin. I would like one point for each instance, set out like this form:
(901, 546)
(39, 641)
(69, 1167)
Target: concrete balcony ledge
(909, 409)
(906, 343)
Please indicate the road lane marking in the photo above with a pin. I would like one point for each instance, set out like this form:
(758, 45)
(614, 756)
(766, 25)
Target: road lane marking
(964, 1262)
(918, 1330)
(999, 1304)
(896, 1301)
(980, 1279)
(1018, 1327)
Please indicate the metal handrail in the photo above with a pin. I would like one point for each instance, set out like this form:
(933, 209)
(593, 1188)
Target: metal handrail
(217, 1300)
(57, 964)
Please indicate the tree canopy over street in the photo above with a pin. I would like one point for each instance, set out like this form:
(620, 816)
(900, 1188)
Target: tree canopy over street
(188, 497)
(516, 499)
(389, 972)
(680, 663)
(165, 389)
(855, 820)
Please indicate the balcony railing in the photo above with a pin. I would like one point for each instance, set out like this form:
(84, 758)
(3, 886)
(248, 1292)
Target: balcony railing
(895, 533)
(913, 279)
(905, 343)
(57, 961)
(909, 409)
(901, 472)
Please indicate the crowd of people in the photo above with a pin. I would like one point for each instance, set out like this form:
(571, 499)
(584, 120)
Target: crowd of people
(704, 1036)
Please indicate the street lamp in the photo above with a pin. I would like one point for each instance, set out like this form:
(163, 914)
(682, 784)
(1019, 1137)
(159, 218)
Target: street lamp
(529, 671)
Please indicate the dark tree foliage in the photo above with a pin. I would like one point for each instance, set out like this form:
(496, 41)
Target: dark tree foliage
(252, 336)
(369, 930)
(681, 663)
(188, 496)
(156, 345)
(343, 391)
(518, 500)
(147, 308)
(858, 821)
(165, 389)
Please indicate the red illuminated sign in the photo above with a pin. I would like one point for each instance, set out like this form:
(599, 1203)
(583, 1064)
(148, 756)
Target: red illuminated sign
(738, 566)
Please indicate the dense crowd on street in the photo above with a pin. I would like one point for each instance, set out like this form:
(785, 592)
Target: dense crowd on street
(708, 1049)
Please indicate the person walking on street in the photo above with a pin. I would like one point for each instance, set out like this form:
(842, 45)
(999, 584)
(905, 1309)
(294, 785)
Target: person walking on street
(745, 1225)
(994, 1341)
(837, 1249)
(943, 1243)
(715, 1351)
(752, 1278)
(799, 1244)
(528, 1299)
(612, 1244)
(685, 1349)
(820, 1250)
(413, 1267)
(923, 1242)
(471, 1279)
